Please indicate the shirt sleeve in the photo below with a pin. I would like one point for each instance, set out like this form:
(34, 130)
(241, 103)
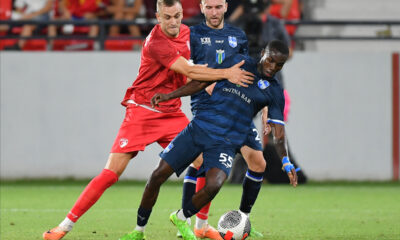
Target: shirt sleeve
(275, 109)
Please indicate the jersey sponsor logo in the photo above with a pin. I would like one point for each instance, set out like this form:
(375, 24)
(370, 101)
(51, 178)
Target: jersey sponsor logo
(232, 41)
(226, 160)
(263, 84)
(168, 148)
(205, 40)
(237, 93)
(219, 41)
(219, 56)
(188, 44)
(123, 142)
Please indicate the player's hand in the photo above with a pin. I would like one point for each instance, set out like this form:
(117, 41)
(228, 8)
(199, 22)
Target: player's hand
(293, 177)
(289, 168)
(264, 117)
(157, 98)
(267, 128)
(238, 76)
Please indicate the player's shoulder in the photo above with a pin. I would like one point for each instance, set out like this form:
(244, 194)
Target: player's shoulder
(275, 86)
(198, 29)
(231, 28)
(184, 30)
(250, 64)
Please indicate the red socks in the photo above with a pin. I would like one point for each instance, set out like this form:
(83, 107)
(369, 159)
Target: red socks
(92, 193)
(203, 213)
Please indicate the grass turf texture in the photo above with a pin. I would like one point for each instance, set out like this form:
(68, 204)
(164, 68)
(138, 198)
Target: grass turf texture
(314, 211)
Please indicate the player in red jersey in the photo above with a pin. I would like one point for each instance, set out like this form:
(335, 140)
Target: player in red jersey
(163, 68)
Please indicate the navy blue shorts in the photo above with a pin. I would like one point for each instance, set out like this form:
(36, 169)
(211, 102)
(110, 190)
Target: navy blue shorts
(188, 145)
(253, 139)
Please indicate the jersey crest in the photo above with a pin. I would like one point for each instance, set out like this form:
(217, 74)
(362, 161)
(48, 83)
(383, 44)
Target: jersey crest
(232, 41)
(220, 56)
(263, 84)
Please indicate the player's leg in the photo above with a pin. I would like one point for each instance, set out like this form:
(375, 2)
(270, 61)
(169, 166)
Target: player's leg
(214, 180)
(252, 153)
(201, 228)
(149, 198)
(189, 182)
(115, 166)
(252, 182)
(129, 141)
(176, 157)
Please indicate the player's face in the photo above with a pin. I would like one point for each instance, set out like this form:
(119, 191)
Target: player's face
(272, 62)
(170, 19)
(214, 11)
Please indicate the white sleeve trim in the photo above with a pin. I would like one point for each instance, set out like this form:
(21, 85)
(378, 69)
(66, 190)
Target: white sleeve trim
(276, 121)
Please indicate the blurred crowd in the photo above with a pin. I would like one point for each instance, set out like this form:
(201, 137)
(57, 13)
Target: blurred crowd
(260, 19)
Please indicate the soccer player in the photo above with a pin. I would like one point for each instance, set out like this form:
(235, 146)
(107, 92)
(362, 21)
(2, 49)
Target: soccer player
(211, 42)
(164, 67)
(218, 130)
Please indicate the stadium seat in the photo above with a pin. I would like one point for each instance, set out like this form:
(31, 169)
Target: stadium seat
(73, 45)
(35, 45)
(7, 42)
(122, 45)
(30, 45)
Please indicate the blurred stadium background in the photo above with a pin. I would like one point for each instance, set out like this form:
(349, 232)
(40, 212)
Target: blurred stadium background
(60, 95)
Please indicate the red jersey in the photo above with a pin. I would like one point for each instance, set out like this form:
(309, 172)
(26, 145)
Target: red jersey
(79, 8)
(294, 14)
(158, 54)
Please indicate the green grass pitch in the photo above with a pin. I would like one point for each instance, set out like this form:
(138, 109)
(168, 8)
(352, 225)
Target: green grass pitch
(313, 211)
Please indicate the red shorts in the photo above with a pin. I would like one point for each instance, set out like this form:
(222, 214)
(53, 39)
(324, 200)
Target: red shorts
(142, 127)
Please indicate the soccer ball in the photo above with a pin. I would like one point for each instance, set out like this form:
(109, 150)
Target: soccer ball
(234, 225)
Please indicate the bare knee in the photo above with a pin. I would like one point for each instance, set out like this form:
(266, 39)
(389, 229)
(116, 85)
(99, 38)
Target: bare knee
(117, 162)
(254, 159)
(157, 178)
(160, 174)
(213, 186)
(258, 164)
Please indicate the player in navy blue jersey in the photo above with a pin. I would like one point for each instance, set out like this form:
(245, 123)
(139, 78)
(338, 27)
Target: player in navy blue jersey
(219, 129)
(211, 43)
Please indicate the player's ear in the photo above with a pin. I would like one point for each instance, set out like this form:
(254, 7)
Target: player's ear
(158, 17)
(226, 7)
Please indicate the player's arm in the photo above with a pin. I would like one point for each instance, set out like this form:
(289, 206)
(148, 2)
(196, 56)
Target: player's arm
(201, 73)
(264, 118)
(190, 88)
(278, 130)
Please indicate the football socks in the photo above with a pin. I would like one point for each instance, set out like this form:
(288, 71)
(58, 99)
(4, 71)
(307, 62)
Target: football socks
(189, 185)
(251, 187)
(92, 193)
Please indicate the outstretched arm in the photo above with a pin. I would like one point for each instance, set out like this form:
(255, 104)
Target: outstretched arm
(199, 72)
(190, 88)
(278, 131)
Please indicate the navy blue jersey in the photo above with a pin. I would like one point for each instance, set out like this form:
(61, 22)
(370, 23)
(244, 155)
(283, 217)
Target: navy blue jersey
(227, 114)
(213, 46)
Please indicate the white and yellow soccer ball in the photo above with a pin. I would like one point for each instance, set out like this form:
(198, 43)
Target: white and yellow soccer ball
(234, 225)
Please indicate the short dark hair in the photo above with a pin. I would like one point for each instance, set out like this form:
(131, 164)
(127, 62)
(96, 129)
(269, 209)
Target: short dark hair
(279, 46)
(168, 3)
